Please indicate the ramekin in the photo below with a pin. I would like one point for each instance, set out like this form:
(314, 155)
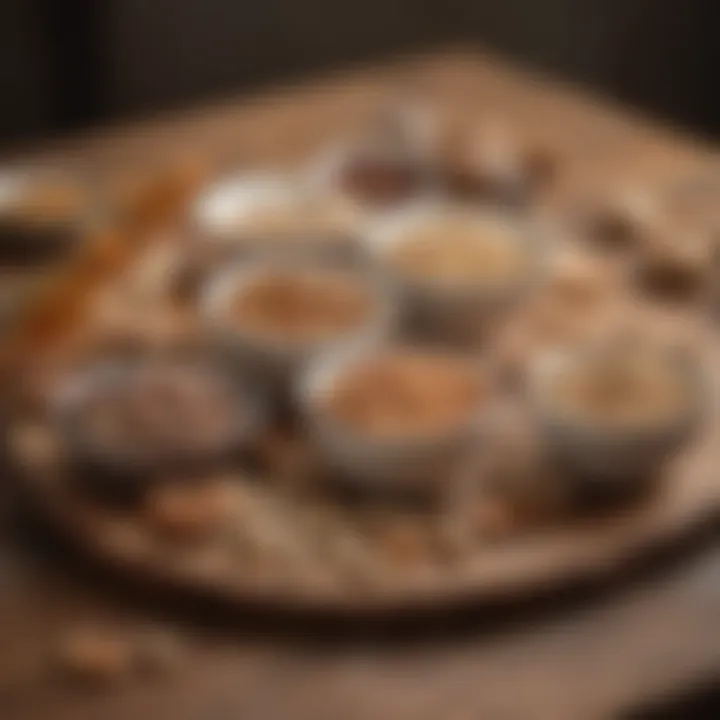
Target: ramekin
(217, 220)
(457, 311)
(276, 362)
(612, 460)
(124, 475)
(424, 463)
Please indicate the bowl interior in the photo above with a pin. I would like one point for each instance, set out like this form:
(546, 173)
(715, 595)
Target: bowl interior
(223, 290)
(77, 392)
(388, 234)
(322, 376)
(551, 366)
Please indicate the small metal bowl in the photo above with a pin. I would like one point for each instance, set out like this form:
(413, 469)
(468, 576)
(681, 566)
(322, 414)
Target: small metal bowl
(26, 235)
(611, 460)
(424, 464)
(124, 473)
(220, 214)
(451, 311)
(276, 361)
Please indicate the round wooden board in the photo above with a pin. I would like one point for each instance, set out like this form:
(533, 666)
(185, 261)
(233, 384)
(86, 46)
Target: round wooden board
(528, 563)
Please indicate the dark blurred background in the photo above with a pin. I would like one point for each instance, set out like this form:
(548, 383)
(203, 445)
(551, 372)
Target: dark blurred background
(67, 64)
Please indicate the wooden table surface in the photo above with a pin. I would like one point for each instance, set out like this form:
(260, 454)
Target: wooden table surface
(591, 655)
